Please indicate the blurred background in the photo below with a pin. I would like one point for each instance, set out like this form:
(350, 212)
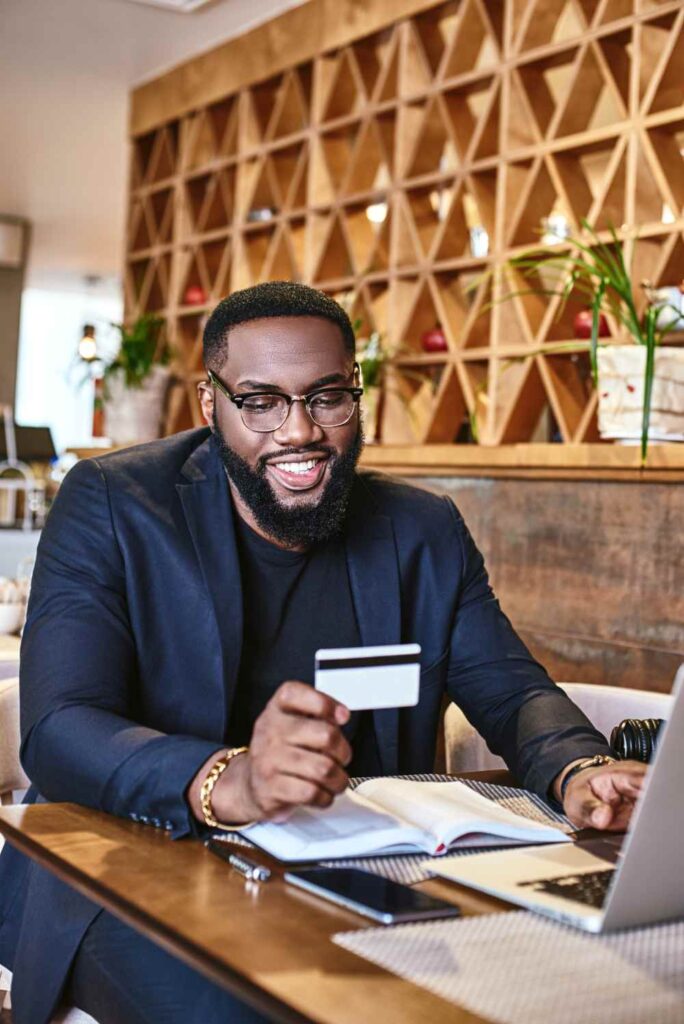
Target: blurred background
(493, 189)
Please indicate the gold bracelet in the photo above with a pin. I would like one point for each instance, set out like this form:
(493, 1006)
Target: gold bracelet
(217, 770)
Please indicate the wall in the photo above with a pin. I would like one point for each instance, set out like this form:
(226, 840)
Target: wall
(590, 574)
(66, 68)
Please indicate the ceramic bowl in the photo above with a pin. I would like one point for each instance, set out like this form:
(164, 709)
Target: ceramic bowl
(11, 617)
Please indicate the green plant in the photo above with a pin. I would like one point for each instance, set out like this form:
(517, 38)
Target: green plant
(598, 271)
(371, 356)
(142, 346)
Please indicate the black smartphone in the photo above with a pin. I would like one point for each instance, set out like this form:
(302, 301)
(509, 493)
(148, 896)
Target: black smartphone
(381, 899)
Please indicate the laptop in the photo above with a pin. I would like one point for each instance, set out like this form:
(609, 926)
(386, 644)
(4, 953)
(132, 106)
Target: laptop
(607, 883)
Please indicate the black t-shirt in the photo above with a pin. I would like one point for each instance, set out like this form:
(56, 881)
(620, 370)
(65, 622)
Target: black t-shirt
(294, 603)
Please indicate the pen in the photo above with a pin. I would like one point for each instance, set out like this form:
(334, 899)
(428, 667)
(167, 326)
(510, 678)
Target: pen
(248, 869)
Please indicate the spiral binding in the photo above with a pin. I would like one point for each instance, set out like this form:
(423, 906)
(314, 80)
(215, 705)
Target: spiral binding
(635, 739)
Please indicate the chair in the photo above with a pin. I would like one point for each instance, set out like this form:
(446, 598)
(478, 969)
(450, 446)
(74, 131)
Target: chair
(604, 706)
(12, 777)
(9, 656)
(12, 782)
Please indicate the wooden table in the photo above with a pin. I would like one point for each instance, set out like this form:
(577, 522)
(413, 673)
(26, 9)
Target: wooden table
(269, 944)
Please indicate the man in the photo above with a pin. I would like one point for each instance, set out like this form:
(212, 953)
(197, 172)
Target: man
(180, 591)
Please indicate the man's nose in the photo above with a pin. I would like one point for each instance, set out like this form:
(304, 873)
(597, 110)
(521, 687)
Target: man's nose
(298, 429)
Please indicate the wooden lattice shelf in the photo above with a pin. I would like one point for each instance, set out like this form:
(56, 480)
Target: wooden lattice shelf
(395, 171)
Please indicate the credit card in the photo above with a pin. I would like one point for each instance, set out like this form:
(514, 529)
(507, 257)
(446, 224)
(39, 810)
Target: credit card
(365, 678)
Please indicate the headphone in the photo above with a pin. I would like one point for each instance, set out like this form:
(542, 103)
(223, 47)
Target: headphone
(635, 739)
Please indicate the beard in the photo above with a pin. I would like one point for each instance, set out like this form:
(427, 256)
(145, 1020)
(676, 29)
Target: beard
(296, 525)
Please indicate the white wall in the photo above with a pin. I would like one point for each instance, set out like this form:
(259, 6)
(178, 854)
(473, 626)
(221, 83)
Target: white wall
(53, 388)
(66, 69)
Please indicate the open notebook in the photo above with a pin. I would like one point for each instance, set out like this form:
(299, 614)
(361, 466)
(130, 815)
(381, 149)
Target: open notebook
(397, 815)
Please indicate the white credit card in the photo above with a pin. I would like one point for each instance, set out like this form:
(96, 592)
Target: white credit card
(365, 678)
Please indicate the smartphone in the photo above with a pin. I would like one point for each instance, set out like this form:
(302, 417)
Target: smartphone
(381, 899)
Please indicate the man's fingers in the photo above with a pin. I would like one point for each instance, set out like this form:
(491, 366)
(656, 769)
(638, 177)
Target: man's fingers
(592, 813)
(287, 792)
(315, 767)
(604, 797)
(617, 784)
(295, 698)
(598, 814)
(320, 736)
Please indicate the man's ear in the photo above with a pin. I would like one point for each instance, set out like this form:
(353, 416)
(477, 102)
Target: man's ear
(205, 393)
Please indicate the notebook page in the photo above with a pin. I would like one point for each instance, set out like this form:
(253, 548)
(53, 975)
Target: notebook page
(448, 810)
(351, 826)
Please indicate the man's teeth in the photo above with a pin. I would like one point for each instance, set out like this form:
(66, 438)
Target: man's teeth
(298, 467)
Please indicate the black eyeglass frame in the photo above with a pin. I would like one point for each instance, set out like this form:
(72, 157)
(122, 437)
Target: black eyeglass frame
(239, 400)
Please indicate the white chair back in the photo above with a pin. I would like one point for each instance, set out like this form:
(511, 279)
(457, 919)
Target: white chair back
(12, 776)
(9, 656)
(604, 706)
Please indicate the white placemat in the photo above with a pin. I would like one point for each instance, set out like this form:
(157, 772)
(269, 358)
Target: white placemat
(518, 968)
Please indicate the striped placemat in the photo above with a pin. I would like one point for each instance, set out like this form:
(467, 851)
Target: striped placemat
(409, 868)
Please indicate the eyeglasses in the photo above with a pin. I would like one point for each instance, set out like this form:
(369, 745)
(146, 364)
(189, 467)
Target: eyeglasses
(266, 411)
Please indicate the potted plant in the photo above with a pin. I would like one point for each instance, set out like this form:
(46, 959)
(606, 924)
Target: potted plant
(135, 382)
(640, 384)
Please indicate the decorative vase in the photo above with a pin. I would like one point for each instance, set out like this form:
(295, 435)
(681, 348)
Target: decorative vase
(371, 403)
(194, 295)
(621, 393)
(583, 322)
(434, 340)
(133, 415)
(371, 410)
(11, 617)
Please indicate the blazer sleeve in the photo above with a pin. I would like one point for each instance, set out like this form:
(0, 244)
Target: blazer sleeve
(78, 675)
(503, 691)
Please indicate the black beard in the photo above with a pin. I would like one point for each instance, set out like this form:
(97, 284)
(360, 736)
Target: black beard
(294, 526)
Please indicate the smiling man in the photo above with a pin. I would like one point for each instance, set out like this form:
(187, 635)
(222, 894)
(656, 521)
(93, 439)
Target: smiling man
(180, 592)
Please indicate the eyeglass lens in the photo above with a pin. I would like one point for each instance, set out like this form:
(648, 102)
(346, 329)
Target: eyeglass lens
(268, 412)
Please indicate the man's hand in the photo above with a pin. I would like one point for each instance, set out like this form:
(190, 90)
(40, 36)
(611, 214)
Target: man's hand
(297, 756)
(604, 797)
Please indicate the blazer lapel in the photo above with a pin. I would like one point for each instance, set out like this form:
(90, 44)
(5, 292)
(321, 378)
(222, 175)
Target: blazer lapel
(208, 510)
(374, 578)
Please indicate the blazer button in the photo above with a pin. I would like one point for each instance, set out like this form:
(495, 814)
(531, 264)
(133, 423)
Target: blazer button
(145, 820)
(134, 816)
(156, 822)
(168, 825)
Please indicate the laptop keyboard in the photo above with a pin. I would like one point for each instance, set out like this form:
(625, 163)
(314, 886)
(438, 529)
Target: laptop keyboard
(590, 888)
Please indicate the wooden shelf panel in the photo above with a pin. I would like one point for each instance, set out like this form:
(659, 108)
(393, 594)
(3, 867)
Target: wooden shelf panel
(397, 157)
(585, 461)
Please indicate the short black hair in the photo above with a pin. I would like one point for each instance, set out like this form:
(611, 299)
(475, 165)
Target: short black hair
(272, 298)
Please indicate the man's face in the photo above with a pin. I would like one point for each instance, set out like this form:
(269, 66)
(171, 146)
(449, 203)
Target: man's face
(293, 483)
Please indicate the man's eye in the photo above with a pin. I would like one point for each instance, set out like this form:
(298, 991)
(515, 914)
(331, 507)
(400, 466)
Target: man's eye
(261, 403)
(328, 399)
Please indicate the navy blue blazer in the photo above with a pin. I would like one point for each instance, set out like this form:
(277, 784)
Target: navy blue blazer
(131, 652)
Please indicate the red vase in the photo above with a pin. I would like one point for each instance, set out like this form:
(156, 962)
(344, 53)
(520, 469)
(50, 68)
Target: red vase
(194, 295)
(434, 340)
(583, 321)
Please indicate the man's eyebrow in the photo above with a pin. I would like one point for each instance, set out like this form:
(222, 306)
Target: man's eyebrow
(331, 378)
(259, 385)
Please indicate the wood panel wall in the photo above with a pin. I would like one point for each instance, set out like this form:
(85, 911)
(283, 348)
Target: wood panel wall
(592, 576)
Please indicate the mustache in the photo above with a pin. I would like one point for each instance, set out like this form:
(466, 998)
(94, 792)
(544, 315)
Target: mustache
(317, 449)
